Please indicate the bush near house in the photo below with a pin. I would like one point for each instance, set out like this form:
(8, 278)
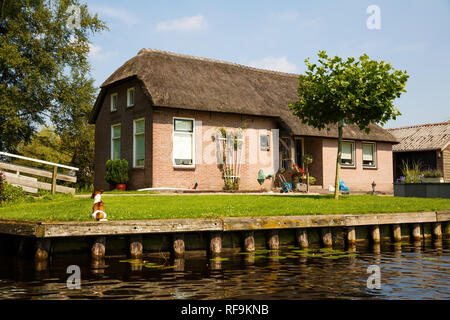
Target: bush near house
(117, 171)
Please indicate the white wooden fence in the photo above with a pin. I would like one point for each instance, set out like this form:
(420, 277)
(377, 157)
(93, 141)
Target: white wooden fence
(31, 184)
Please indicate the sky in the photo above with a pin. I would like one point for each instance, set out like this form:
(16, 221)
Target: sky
(279, 35)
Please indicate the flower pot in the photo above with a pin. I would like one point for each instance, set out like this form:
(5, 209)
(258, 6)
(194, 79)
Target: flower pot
(433, 180)
(121, 186)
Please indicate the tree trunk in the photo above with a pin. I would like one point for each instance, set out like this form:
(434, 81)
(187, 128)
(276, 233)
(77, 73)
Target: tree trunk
(338, 161)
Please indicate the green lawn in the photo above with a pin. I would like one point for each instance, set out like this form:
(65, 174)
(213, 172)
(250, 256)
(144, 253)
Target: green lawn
(65, 208)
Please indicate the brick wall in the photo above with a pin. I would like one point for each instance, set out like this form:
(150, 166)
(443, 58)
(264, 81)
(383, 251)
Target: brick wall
(359, 178)
(207, 172)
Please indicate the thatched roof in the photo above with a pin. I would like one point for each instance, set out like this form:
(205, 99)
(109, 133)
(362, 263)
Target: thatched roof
(180, 81)
(424, 137)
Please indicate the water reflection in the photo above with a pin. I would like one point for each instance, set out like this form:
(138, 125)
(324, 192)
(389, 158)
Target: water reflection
(408, 271)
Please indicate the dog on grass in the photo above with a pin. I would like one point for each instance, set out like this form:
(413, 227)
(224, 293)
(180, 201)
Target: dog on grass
(98, 210)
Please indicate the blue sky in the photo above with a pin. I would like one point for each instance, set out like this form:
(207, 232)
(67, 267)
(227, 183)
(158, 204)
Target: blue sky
(279, 35)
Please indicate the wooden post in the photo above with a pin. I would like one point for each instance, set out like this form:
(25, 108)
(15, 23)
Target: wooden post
(215, 244)
(249, 241)
(302, 238)
(179, 264)
(273, 242)
(437, 230)
(327, 238)
(447, 229)
(98, 249)
(55, 172)
(375, 234)
(42, 249)
(416, 232)
(136, 247)
(351, 236)
(396, 233)
(178, 245)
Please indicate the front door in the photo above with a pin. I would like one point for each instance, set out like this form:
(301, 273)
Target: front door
(298, 152)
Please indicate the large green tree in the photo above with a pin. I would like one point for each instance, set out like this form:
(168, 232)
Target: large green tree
(339, 92)
(44, 72)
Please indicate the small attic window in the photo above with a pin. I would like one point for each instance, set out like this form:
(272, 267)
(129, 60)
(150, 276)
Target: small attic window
(130, 97)
(114, 99)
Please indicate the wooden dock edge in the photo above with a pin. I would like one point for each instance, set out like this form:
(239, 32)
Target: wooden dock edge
(127, 227)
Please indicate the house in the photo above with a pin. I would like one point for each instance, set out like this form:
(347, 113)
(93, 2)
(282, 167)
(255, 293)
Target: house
(160, 111)
(427, 143)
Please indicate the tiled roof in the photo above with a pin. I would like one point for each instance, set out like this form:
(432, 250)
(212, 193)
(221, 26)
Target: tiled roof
(433, 136)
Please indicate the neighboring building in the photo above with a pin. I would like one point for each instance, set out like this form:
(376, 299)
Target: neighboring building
(427, 143)
(160, 112)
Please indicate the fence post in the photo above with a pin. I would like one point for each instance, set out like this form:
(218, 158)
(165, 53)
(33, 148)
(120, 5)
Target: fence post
(55, 171)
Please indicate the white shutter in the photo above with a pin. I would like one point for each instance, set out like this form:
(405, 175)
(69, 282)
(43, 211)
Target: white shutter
(182, 146)
(368, 152)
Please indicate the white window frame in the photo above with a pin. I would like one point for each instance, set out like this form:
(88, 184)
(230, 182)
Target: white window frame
(112, 139)
(261, 134)
(115, 94)
(128, 97)
(134, 142)
(374, 154)
(353, 165)
(193, 142)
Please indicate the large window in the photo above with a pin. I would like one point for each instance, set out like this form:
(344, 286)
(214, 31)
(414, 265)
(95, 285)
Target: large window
(348, 153)
(139, 142)
(115, 141)
(369, 155)
(130, 97)
(183, 142)
(114, 101)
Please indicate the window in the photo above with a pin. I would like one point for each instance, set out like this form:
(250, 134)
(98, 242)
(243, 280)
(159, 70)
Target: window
(264, 142)
(369, 155)
(139, 142)
(115, 141)
(348, 153)
(183, 142)
(285, 151)
(114, 98)
(130, 97)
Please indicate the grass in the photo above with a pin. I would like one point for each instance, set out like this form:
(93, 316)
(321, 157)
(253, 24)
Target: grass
(68, 208)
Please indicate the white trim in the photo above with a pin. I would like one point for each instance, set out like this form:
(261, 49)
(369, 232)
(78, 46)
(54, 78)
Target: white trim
(353, 154)
(134, 142)
(193, 142)
(112, 136)
(128, 100)
(115, 94)
(37, 160)
(374, 154)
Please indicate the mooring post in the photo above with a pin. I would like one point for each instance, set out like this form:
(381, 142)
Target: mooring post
(302, 238)
(375, 234)
(437, 230)
(447, 229)
(55, 172)
(396, 233)
(327, 238)
(249, 241)
(273, 241)
(416, 232)
(215, 244)
(178, 245)
(351, 236)
(98, 249)
(136, 247)
(42, 249)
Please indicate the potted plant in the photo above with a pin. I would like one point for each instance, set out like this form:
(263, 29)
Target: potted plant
(307, 159)
(296, 175)
(116, 173)
(433, 176)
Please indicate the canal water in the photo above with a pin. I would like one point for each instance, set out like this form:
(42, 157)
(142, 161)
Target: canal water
(406, 271)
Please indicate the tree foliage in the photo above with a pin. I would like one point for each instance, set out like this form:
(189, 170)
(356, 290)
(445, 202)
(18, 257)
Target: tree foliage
(335, 91)
(43, 68)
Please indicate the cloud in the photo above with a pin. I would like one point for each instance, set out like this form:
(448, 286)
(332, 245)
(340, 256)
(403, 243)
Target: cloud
(195, 23)
(274, 63)
(121, 15)
(98, 54)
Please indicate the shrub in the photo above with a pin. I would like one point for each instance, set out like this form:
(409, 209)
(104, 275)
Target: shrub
(117, 171)
(11, 193)
(412, 173)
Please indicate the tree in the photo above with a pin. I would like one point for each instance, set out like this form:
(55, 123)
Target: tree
(43, 67)
(338, 92)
